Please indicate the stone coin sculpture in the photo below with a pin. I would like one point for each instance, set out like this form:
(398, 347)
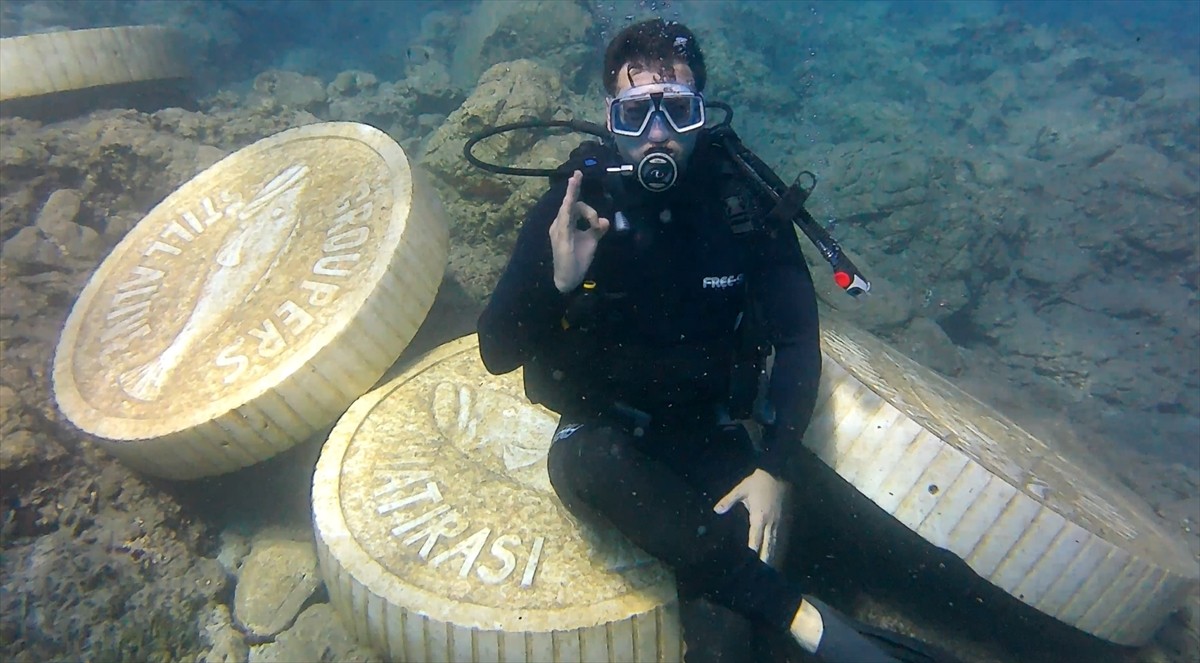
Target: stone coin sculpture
(1030, 517)
(249, 308)
(440, 538)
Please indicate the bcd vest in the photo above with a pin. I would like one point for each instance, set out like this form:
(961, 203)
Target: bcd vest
(665, 316)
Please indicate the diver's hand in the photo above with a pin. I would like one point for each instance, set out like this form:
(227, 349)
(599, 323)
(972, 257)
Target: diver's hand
(764, 497)
(573, 249)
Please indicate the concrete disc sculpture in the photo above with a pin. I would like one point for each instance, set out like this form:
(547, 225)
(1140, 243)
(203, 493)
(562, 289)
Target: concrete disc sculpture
(1067, 541)
(441, 539)
(54, 62)
(250, 308)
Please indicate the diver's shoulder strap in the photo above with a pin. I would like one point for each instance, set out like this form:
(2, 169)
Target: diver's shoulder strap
(746, 210)
(744, 207)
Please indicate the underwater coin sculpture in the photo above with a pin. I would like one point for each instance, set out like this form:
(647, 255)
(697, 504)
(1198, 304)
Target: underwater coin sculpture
(53, 62)
(251, 307)
(441, 539)
(1067, 541)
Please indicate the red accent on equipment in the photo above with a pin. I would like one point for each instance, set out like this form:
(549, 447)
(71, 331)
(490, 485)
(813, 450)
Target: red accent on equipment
(843, 279)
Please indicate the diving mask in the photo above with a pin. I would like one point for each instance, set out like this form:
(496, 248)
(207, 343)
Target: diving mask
(631, 111)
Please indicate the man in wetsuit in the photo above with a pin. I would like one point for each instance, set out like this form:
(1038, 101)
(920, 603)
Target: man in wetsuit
(627, 316)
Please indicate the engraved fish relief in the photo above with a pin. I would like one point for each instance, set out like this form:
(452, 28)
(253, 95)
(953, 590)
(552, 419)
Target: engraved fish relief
(266, 227)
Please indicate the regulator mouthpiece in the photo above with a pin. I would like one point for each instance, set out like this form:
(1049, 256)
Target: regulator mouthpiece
(657, 172)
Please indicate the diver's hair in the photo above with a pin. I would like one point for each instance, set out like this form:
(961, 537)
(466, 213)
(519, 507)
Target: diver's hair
(653, 45)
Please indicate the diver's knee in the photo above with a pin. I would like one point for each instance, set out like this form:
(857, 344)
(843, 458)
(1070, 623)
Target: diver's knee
(564, 460)
(584, 454)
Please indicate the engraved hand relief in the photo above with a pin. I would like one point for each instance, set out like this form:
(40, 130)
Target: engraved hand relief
(515, 435)
(266, 226)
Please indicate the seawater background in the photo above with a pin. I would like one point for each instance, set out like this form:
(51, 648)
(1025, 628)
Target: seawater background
(1021, 180)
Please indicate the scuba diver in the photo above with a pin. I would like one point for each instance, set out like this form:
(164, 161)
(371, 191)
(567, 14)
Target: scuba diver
(644, 294)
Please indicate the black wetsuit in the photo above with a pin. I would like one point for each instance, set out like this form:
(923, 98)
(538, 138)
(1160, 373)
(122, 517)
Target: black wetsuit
(658, 333)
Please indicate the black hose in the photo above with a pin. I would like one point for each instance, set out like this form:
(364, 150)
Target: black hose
(580, 126)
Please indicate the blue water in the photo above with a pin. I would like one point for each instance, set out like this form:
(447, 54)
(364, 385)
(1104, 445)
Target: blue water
(357, 34)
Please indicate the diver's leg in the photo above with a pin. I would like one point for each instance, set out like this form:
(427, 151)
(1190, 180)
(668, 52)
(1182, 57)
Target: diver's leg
(609, 472)
(714, 461)
(715, 634)
(603, 470)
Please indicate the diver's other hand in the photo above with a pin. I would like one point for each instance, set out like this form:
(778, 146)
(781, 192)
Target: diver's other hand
(764, 497)
(573, 249)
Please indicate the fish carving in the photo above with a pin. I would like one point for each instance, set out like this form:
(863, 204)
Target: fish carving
(266, 227)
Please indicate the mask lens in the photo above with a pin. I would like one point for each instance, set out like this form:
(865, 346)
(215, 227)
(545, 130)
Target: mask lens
(686, 112)
(630, 114)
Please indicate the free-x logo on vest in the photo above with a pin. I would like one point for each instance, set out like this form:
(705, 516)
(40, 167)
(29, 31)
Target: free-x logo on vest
(723, 281)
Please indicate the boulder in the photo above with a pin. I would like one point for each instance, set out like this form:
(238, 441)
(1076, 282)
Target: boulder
(276, 579)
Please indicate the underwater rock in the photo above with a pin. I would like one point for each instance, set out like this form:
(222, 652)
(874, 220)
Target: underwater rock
(1060, 336)
(318, 635)
(1131, 300)
(229, 124)
(870, 121)
(291, 90)
(224, 642)
(102, 566)
(989, 169)
(508, 92)
(1054, 262)
(408, 110)
(742, 78)
(44, 245)
(385, 106)
(281, 650)
(60, 209)
(31, 251)
(22, 449)
(274, 582)
(485, 209)
(351, 83)
(554, 33)
(1147, 172)
(430, 89)
(57, 221)
(1062, 136)
(902, 180)
(927, 343)
(234, 548)
(476, 269)
(1126, 381)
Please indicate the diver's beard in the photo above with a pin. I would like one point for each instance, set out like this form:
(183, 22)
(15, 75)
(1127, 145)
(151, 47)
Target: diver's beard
(649, 173)
(635, 156)
(678, 163)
